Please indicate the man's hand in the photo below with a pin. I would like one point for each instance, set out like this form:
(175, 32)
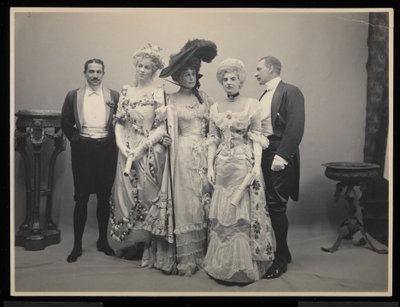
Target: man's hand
(278, 164)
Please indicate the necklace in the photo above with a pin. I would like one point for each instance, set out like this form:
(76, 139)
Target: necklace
(233, 96)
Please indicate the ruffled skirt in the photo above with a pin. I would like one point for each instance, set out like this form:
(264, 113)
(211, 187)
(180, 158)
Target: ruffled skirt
(241, 237)
(191, 189)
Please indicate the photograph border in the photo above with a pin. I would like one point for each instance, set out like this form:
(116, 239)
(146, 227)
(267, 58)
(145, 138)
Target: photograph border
(389, 293)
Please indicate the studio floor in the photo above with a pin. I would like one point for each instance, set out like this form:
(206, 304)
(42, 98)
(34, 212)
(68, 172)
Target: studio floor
(351, 271)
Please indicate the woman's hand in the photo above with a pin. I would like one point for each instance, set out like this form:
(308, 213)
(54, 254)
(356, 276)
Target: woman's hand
(124, 150)
(162, 113)
(256, 171)
(211, 175)
(166, 140)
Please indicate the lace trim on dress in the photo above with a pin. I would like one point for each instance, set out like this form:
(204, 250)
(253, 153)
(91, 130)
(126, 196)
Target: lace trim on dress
(222, 267)
(188, 269)
(189, 228)
(192, 243)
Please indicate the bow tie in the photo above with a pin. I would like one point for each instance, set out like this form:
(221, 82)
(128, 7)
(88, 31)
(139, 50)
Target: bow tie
(94, 92)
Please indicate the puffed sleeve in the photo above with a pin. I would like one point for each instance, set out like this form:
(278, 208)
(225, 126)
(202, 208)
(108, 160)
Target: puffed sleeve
(207, 99)
(121, 114)
(158, 97)
(160, 108)
(213, 133)
(255, 131)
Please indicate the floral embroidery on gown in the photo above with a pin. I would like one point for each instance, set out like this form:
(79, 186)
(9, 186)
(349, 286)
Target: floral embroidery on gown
(191, 188)
(241, 237)
(132, 195)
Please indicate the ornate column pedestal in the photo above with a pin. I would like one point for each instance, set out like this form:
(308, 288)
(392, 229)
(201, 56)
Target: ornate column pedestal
(352, 177)
(36, 126)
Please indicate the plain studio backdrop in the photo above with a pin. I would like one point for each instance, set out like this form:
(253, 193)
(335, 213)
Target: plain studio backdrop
(324, 54)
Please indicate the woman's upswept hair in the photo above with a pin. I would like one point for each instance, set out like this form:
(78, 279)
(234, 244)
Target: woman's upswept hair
(152, 53)
(234, 66)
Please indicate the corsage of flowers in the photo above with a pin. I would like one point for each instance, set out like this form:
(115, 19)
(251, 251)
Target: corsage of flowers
(110, 103)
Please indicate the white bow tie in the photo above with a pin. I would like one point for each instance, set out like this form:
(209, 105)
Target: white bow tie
(94, 92)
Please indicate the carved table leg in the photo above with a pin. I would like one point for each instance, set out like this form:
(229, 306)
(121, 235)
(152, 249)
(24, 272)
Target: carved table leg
(35, 239)
(20, 146)
(53, 234)
(352, 224)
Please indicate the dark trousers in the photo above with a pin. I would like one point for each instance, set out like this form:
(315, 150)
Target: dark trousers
(93, 168)
(277, 189)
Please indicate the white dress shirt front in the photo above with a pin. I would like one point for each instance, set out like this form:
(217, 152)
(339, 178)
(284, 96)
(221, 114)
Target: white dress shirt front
(94, 119)
(266, 102)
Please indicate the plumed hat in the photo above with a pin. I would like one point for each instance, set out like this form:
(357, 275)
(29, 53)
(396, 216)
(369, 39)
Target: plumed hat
(204, 50)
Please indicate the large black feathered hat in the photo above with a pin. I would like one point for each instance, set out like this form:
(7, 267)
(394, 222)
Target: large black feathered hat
(204, 50)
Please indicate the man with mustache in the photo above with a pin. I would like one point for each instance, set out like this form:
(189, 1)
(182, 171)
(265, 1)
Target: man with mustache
(86, 120)
(283, 114)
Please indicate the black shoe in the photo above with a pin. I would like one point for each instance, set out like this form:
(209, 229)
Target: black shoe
(105, 248)
(277, 269)
(74, 255)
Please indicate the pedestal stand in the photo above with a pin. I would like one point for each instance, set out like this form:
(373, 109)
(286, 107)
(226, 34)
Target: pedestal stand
(35, 126)
(352, 177)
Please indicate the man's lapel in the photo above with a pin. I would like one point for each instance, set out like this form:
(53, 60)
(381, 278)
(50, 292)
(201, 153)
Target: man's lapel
(262, 95)
(78, 107)
(276, 101)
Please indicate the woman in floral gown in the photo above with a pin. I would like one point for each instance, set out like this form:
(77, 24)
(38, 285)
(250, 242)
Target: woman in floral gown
(191, 190)
(140, 135)
(241, 238)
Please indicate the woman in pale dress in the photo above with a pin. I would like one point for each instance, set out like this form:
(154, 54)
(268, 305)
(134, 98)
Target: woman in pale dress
(191, 190)
(241, 238)
(140, 135)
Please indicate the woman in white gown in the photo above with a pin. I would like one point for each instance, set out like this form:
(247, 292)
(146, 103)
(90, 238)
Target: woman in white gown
(189, 126)
(140, 135)
(241, 238)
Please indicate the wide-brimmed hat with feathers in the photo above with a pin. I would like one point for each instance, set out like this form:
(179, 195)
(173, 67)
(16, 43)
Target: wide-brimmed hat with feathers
(204, 50)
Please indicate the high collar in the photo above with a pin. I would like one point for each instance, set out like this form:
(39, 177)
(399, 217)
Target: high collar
(272, 84)
(98, 90)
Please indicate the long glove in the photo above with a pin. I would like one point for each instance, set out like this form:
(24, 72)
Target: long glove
(152, 139)
(119, 132)
(212, 148)
(248, 180)
(257, 159)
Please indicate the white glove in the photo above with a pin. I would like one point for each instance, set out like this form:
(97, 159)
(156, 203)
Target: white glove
(118, 139)
(257, 159)
(161, 113)
(166, 140)
(211, 175)
(125, 151)
(278, 163)
(212, 148)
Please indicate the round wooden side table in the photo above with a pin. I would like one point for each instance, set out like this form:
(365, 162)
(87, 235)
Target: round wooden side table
(352, 178)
